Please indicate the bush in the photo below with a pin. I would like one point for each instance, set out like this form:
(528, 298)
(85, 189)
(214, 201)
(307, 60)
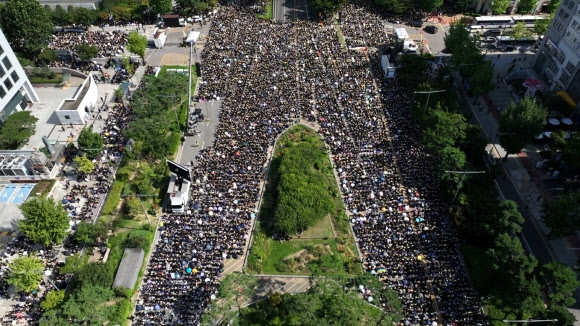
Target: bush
(96, 274)
(122, 313)
(123, 293)
(174, 143)
(113, 198)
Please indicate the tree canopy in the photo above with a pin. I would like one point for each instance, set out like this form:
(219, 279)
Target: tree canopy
(137, 44)
(396, 6)
(303, 197)
(84, 165)
(161, 7)
(25, 273)
(90, 142)
(430, 5)
(526, 6)
(45, 221)
(562, 283)
(562, 215)
(327, 5)
(500, 7)
(19, 126)
(520, 123)
(86, 51)
(27, 26)
(520, 31)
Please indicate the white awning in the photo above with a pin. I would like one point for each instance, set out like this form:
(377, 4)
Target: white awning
(192, 37)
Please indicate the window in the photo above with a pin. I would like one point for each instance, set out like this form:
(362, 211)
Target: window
(2, 92)
(570, 67)
(2, 72)
(570, 5)
(574, 24)
(558, 25)
(552, 66)
(567, 2)
(7, 63)
(8, 84)
(1, 50)
(560, 13)
(564, 78)
(67, 117)
(559, 56)
(14, 76)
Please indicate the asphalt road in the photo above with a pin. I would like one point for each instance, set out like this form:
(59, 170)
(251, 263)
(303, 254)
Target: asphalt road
(189, 150)
(290, 10)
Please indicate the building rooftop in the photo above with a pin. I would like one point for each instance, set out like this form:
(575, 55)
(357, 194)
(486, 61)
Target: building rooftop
(129, 268)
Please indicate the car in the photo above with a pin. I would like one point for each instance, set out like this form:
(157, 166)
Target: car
(488, 40)
(416, 23)
(194, 19)
(431, 29)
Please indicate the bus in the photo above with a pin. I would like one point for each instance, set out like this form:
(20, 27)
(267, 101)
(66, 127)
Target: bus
(502, 42)
(493, 21)
(529, 20)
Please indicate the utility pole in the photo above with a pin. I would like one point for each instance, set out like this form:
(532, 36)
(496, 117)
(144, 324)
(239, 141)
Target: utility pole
(428, 96)
(530, 321)
(460, 185)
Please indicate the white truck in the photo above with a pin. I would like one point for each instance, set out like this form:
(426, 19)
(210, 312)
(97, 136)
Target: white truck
(178, 194)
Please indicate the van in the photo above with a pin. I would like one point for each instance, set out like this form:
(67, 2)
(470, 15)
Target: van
(492, 32)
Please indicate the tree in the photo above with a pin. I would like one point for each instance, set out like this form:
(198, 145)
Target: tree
(455, 37)
(571, 150)
(558, 103)
(87, 304)
(465, 49)
(553, 6)
(509, 255)
(73, 264)
(526, 6)
(137, 43)
(59, 16)
(90, 142)
(327, 6)
(239, 287)
(25, 273)
(396, 6)
(500, 7)
(562, 215)
(161, 7)
(430, 5)
(519, 124)
(133, 207)
(85, 233)
(52, 300)
(464, 5)
(86, 51)
(84, 165)
(16, 130)
(45, 221)
(520, 31)
(26, 25)
(96, 274)
(413, 69)
(541, 25)
(481, 81)
(564, 316)
(47, 55)
(562, 283)
(508, 220)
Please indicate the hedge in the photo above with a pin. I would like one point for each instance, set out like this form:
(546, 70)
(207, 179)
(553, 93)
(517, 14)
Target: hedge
(113, 198)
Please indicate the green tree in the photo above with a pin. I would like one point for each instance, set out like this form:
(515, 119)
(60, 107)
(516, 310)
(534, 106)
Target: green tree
(500, 7)
(84, 165)
(59, 16)
(481, 81)
(26, 25)
(455, 37)
(553, 6)
(45, 221)
(541, 25)
(466, 51)
(520, 31)
(161, 7)
(519, 124)
(508, 220)
(73, 264)
(526, 6)
(86, 51)
(235, 289)
(85, 233)
(396, 6)
(137, 43)
(200, 7)
(87, 305)
(562, 215)
(564, 316)
(17, 129)
(509, 256)
(464, 5)
(442, 128)
(84, 16)
(91, 142)
(47, 55)
(413, 69)
(430, 5)
(558, 103)
(133, 207)
(25, 273)
(95, 274)
(562, 283)
(328, 6)
(52, 300)
(571, 150)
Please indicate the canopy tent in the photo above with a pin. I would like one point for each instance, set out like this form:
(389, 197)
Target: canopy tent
(192, 37)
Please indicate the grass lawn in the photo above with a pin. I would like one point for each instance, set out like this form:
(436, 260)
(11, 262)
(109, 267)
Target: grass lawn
(269, 11)
(302, 255)
(43, 187)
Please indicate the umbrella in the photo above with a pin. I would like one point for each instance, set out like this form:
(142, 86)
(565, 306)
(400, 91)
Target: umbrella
(554, 121)
(188, 270)
(157, 307)
(566, 121)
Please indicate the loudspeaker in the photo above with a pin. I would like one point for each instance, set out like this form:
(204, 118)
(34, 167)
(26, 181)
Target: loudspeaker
(198, 69)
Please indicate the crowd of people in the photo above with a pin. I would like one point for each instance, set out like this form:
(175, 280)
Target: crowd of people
(109, 44)
(270, 75)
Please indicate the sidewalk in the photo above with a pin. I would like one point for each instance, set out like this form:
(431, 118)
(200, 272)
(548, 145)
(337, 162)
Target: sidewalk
(520, 169)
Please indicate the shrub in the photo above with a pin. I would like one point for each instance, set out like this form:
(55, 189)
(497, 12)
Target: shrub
(122, 312)
(113, 198)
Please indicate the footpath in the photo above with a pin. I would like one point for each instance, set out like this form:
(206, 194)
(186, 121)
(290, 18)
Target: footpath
(522, 182)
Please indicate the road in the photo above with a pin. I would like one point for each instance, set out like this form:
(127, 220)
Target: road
(290, 10)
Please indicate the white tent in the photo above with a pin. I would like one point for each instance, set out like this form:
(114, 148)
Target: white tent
(192, 37)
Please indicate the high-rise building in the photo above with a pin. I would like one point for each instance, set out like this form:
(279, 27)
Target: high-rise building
(558, 59)
(16, 92)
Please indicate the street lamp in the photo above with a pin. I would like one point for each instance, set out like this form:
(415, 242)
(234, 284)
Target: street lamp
(530, 321)
(428, 96)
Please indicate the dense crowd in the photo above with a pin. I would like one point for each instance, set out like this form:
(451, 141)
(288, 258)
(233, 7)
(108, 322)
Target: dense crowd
(269, 75)
(108, 44)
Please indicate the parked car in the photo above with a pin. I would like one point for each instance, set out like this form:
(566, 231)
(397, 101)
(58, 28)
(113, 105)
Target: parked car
(416, 23)
(488, 40)
(431, 29)
(194, 19)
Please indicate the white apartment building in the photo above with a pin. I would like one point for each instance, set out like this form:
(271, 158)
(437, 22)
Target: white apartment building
(558, 59)
(16, 92)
